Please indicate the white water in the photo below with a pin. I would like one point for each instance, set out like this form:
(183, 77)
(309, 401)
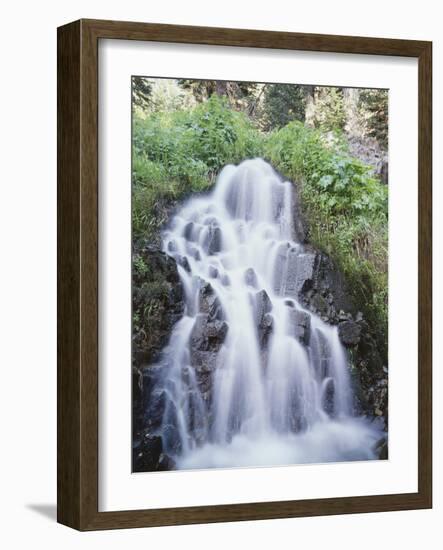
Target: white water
(284, 402)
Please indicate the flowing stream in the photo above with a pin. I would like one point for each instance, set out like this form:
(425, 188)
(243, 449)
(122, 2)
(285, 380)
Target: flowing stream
(249, 376)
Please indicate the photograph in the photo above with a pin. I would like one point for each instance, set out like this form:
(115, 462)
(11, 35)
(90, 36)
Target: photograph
(259, 271)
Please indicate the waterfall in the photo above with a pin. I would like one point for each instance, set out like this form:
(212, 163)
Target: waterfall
(251, 377)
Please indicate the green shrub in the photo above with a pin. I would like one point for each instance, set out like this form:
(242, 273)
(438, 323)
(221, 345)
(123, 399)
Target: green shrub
(178, 153)
(346, 208)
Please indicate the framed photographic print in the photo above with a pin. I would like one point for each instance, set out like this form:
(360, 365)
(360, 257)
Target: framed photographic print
(244, 275)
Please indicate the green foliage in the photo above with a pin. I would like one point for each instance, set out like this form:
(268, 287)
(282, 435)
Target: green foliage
(178, 153)
(239, 94)
(150, 295)
(346, 209)
(374, 109)
(329, 109)
(283, 104)
(141, 91)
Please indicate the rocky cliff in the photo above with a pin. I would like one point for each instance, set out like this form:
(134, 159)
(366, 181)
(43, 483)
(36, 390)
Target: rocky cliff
(158, 303)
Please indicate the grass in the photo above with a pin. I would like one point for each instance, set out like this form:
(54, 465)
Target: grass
(179, 153)
(346, 209)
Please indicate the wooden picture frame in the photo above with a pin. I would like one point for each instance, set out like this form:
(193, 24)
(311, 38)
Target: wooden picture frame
(78, 273)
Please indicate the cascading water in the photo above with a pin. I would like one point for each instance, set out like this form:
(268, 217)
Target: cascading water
(249, 376)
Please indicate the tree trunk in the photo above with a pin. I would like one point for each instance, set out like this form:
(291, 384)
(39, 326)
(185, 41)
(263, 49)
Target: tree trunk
(310, 106)
(221, 87)
(352, 120)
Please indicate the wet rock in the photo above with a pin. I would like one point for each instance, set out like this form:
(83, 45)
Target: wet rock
(166, 463)
(147, 453)
(300, 325)
(262, 306)
(304, 270)
(322, 288)
(209, 302)
(294, 271)
(320, 305)
(198, 335)
(299, 273)
(204, 361)
(187, 232)
(208, 335)
(185, 264)
(251, 277)
(213, 272)
(214, 240)
(349, 333)
(263, 319)
(204, 364)
(342, 316)
(381, 448)
(156, 283)
(328, 397)
(156, 408)
(172, 246)
(265, 330)
(216, 333)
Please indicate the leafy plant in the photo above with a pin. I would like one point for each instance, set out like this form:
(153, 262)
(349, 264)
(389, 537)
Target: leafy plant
(176, 153)
(347, 211)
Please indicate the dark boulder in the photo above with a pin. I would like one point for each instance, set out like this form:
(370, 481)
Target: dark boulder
(294, 271)
(184, 262)
(208, 335)
(265, 330)
(328, 397)
(172, 246)
(322, 288)
(300, 325)
(262, 305)
(204, 364)
(349, 333)
(209, 302)
(147, 453)
(155, 408)
(188, 231)
(263, 318)
(381, 448)
(213, 242)
(166, 463)
(158, 303)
